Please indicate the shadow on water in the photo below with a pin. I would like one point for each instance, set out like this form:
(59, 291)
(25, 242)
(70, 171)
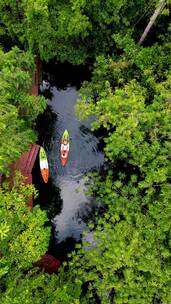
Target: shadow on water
(65, 75)
(47, 193)
(64, 198)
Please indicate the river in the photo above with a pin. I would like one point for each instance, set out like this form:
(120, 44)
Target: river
(64, 197)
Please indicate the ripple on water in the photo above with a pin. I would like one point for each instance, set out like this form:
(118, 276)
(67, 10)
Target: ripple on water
(83, 157)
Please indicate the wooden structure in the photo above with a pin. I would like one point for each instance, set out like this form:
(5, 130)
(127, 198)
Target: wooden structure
(37, 77)
(25, 165)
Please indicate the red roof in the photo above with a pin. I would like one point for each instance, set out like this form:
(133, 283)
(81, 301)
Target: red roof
(25, 165)
(26, 162)
(49, 263)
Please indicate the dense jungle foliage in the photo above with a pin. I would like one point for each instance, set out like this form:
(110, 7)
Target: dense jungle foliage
(130, 96)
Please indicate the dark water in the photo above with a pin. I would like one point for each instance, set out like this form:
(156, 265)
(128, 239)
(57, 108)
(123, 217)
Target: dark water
(64, 197)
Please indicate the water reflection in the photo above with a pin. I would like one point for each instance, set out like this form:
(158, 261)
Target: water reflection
(69, 222)
(84, 156)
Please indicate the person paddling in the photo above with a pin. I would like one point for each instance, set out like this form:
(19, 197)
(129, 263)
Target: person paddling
(65, 143)
(64, 148)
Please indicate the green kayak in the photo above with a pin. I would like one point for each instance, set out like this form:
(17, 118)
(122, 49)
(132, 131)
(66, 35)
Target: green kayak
(44, 168)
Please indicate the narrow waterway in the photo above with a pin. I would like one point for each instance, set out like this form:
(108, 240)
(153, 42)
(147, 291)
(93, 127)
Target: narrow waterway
(70, 210)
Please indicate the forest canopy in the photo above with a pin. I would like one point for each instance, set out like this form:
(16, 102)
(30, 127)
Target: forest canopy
(130, 95)
(18, 109)
(77, 31)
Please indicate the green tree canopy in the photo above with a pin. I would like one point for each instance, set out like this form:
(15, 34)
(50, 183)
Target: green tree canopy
(130, 98)
(18, 109)
(24, 239)
(129, 95)
(74, 30)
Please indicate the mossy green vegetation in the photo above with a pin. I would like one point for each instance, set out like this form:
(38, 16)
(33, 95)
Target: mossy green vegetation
(130, 96)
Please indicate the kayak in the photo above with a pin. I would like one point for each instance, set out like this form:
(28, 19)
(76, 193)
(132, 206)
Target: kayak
(44, 168)
(64, 151)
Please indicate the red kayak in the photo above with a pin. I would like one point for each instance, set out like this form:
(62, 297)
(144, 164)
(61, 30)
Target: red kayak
(64, 151)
